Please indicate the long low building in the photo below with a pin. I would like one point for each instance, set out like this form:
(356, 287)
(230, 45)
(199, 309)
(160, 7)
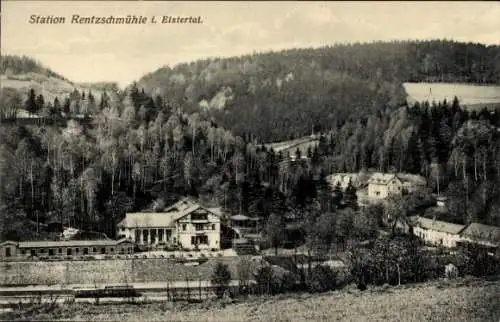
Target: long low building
(436, 232)
(441, 233)
(26, 249)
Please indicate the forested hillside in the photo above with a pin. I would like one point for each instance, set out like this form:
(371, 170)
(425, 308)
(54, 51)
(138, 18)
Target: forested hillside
(147, 147)
(11, 65)
(27, 85)
(282, 95)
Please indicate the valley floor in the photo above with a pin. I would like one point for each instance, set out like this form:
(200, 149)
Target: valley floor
(438, 301)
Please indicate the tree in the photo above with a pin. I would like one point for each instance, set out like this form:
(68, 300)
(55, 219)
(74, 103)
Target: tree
(40, 102)
(221, 277)
(350, 197)
(272, 282)
(275, 231)
(116, 207)
(322, 279)
(244, 274)
(337, 195)
(31, 104)
(325, 230)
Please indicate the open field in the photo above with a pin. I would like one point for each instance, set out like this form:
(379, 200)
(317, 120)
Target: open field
(476, 96)
(291, 146)
(463, 300)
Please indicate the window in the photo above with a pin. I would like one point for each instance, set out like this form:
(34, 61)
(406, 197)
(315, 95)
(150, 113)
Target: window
(203, 240)
(94, 250)
(68, 252)
(122, 250)
(103, 250)
(199, 240)
(377, 193)
(153, 235)
(33, 252)
(213, 226)
(111, 250)
(199, 216)
(184, 227)
(137, 235)
(23, 252)
(7, 252)
(85, 251)
(42, 251)
(59, 250)
(51, 252)
(77, 250)
(199, 226)
(145, 234)
(160, 234)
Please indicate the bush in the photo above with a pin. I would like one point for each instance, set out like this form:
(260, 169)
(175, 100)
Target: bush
(221, 277)
(323, 278)
(269, 283)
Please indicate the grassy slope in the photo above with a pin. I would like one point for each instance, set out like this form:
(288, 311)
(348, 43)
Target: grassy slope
(423, 303)
(50, 87)
(473, 96)
(437, 301)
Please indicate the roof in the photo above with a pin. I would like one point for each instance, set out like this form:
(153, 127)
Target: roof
(241, 217)
(483, 232)
(167, 218)
(71, 243)
(217, 211)
(381, 178)
(437, 225)
(385, 178)
(412, 178)
(155, 219)
(182, 204)
(345, 178)
(8, 242)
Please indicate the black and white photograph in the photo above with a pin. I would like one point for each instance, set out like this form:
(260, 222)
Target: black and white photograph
(250, 161)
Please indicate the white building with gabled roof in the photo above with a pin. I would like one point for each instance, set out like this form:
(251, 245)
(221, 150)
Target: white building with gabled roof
(437, 232)
(186, 224)
(383, 185)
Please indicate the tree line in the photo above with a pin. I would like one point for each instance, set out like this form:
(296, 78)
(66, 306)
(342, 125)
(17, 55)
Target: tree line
(145, 152)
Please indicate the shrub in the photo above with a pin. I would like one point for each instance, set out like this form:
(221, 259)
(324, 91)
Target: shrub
(221, 277)
(269, 283)
(323, 278)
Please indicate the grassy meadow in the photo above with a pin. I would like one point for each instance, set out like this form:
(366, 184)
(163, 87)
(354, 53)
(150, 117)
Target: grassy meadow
(468, 95)
(462, 300)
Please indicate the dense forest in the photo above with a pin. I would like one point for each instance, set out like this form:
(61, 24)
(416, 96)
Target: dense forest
(281, 95)
(151, 146)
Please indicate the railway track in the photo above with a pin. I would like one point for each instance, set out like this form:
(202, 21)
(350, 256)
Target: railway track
(108, 294)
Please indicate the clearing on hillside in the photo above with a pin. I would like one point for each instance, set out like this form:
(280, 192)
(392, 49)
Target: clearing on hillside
(472, 96)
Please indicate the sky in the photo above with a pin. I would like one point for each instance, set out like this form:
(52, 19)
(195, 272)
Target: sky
(124, 53)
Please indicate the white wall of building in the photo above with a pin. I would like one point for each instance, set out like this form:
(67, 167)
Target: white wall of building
(378, 191)
(437, 237)
(187, 228)
(182, 232)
